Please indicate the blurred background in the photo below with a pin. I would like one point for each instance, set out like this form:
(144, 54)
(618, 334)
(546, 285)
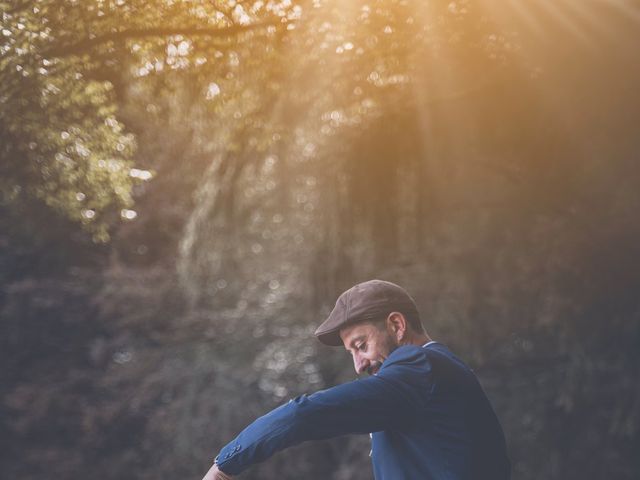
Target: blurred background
(186, 186)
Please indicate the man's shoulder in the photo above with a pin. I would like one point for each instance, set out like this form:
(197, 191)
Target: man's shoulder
(407, 357)
(424, 359)
(440, 354)
(409, 371)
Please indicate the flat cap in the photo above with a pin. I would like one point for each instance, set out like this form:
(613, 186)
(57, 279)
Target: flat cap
(371, 300)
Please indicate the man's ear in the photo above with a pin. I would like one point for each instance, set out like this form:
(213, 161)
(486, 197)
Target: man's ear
(397, 325)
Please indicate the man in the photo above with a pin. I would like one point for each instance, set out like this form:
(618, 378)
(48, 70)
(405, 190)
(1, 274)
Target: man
(428, 416)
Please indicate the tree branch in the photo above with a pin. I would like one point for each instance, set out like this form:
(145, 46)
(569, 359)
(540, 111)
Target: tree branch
(89, 43)
(19, 7)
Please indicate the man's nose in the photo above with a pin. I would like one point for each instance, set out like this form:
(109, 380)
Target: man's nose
(360, 364)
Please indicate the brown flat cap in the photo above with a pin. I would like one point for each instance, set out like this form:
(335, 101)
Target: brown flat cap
(370, 300)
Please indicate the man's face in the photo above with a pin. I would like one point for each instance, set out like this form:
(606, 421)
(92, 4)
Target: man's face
(369, 344)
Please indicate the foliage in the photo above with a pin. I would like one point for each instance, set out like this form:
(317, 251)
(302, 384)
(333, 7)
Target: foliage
(62, 142)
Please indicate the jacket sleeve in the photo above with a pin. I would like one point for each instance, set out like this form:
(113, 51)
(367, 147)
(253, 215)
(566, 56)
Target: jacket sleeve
(386, 400)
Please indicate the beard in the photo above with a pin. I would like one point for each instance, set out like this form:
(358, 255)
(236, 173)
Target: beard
(374, 367)
(389, 345)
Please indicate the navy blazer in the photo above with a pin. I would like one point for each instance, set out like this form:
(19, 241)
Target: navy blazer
(429, 417)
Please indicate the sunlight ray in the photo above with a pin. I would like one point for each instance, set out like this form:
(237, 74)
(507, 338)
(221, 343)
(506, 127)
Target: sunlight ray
(629, 8)
(439, 77)
(554, 11)
(523, 14)
(587, 14)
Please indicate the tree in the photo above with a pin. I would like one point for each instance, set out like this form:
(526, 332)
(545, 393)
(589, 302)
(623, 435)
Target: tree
(62, 63)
